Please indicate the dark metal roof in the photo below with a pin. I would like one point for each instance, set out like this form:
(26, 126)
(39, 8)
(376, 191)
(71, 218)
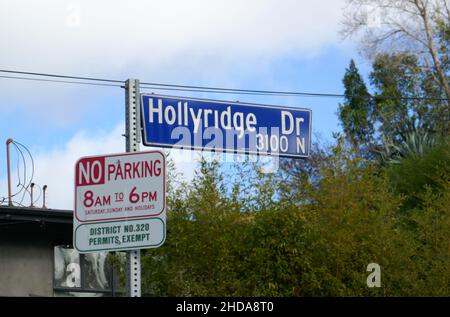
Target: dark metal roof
(14, 213)
(24, 225)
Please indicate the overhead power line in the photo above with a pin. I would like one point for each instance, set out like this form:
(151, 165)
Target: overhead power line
(60, 76)
(156, 88)
(255, 93)
(60, 81)
(162, 86)
(245, 91)
(81, 80)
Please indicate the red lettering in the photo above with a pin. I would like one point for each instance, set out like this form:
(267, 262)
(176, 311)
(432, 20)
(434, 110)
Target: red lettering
(119, 172)
(111, 170)
(127, 169)
(89, 171)
(136, 169)
(152, 196)
(157, 169)
(148, 168)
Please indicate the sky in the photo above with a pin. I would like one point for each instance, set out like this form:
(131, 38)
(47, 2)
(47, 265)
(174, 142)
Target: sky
(291, 45)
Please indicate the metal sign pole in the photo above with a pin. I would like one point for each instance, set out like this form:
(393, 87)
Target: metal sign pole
(132, 135)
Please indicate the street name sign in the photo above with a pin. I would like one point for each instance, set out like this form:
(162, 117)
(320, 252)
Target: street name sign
(120, 202)
(223, 126)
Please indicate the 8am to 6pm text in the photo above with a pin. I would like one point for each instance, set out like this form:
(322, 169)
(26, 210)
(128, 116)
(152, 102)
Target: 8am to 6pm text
(92, 200)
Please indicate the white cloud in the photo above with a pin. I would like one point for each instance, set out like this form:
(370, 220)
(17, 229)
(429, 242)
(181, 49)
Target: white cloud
(55, 168)
(196, 41)
(233, 43)
(112, 35)
(170, 40)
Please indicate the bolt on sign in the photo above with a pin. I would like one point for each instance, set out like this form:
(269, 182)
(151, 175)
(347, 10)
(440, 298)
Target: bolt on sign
(120, 202)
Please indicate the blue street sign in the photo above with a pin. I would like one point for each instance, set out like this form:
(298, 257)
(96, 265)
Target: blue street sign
(223, 126)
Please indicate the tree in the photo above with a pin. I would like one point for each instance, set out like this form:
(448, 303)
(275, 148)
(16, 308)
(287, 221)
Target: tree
(406, 124)
(419, 169)
(296, 176)
(393, 115)
(318, 243)
(356, 112)
(395, 78)
(420, 27)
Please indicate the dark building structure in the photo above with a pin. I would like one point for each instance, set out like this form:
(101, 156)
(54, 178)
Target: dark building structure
(37, 259)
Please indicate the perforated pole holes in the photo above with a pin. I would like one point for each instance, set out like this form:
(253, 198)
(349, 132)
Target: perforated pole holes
(132, 136)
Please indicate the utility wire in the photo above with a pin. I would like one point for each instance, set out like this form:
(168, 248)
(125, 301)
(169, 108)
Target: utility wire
(173, 89)
(245, 91)
(190, 88)
(240, 93)
(20, 155)
(25, 186)
(40, 193)
(60, 81)
(172, 86)
(292, 94)
(60, 76)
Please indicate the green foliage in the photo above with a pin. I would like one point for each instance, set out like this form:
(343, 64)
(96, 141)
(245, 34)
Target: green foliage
(413, 143)
(412, 175)
(443, 38)
(352, 224)
(406, 112)
(245, 233)
(399, 85)
(431, 271)
(355, 114)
